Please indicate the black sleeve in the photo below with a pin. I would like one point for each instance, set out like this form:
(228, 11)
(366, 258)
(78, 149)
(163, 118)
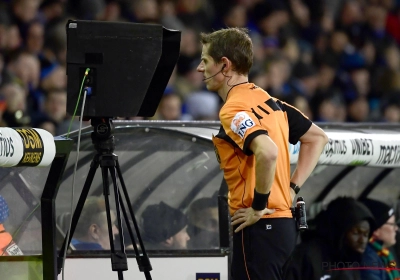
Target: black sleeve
(298, 123)
(250, 138)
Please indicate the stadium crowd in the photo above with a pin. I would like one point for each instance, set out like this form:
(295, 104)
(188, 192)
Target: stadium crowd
(337, 61)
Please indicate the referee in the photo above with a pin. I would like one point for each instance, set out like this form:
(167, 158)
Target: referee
(252, 148)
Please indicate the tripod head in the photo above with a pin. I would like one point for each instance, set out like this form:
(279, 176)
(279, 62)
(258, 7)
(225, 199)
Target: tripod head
(102, 135)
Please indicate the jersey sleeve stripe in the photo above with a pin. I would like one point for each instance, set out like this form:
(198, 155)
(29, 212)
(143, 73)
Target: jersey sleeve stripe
(250, 138)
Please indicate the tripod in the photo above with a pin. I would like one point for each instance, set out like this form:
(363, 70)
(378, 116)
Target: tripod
(103, 140)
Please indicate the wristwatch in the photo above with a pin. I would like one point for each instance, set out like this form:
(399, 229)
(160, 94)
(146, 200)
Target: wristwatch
(295, 187)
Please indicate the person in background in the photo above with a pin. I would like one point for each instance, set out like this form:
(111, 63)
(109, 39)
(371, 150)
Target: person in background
(203, 225)
(383, 238)
(15, 106)
(252, 148)
(55, 107)
(341, 237)
(170, 107)
(7, 245)
(164, 228)
(202, 106)
(91, 232)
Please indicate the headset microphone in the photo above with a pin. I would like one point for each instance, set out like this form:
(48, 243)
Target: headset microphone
(205, 79)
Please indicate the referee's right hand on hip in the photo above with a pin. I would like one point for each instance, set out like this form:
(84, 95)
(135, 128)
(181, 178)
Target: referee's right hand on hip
(248, 216)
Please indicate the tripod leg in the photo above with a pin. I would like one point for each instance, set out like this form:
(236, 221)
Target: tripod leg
(118, 259)
(117, 197)
(142, 260)
(85, 191)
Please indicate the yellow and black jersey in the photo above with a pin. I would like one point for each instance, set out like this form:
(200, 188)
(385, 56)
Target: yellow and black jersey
(248, 112)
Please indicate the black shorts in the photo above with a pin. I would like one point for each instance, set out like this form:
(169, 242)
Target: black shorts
(261, 250)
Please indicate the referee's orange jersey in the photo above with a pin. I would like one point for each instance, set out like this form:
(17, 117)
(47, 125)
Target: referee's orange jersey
(248, 112)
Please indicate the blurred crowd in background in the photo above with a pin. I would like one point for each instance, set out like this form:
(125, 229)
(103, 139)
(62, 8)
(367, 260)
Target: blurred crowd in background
(337, 61)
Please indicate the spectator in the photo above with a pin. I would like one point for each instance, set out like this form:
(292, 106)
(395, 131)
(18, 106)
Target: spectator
(5, 76)
(301, 103)
(15, 114)
(169, 18)
(301, 31)
(383, 238)
(391, 113)
(92, 231)
(90, 9)
(389, 79)
(26, 69)
(270, 17)
(55, 43)
(164, 228)
(278, 73)
(145, 11)
(35, 38)
(203, 225)
(24, 11)
(51, 10)
(291, 50)
(358, 110)
(4, 23)
(351, 20)
(202, 106)
(393, 24)
(235, 16)
(112, 11)
(337, 45)
(391, 108)
(53, 78)
(55, 105)
(188, 80)
(305, 80)
(54, 116)
(375, 30)
(331, 109)
(342, 234)
(196, 14)
(13, 40)
(170, 107)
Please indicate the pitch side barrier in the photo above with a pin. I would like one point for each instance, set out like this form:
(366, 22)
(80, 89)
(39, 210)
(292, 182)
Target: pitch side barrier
(347, 148)
(34, 147)
(26, 147)
(369, 144)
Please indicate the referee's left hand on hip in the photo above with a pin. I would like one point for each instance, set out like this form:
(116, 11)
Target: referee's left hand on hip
(248, 216)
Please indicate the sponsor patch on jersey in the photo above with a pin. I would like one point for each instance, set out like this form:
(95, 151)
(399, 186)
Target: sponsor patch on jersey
(240, 123)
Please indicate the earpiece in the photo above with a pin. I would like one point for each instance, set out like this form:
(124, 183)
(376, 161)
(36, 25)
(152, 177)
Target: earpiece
(220, 71)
